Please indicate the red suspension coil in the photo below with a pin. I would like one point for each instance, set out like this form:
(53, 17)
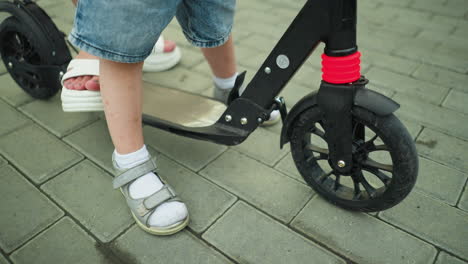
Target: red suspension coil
(339, 70)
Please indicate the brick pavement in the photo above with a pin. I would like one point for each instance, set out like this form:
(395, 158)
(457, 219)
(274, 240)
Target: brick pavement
(248, 203)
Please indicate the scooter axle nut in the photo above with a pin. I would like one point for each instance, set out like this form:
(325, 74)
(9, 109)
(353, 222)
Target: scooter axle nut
(243, 121)
(228, 118)
(341, 164)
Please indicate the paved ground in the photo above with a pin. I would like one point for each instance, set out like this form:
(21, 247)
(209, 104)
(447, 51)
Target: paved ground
(248, 203)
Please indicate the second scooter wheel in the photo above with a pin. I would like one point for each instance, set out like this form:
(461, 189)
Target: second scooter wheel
(385, 163)
(25, 45)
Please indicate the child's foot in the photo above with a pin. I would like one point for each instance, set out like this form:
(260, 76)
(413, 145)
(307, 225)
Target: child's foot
(153, 203)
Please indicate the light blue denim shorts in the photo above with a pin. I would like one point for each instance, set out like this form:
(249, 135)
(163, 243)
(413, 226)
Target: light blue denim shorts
(126, 30)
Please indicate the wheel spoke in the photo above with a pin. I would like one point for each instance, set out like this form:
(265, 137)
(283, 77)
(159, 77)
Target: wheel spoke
(372, 164)
(369, 189)
(323, 177)
(357, 189)
(319, 132)
(380, 147)
(317, 149)
(382, 176)
(337, 182)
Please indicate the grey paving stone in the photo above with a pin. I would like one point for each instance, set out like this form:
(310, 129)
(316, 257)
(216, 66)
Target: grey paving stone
(10, 119)
(190, 57)
(64, 242)
(37, 153)
(65, 10)
(438, 223)
(64, 25)
(440, 9)
(378, 40)
(287, 166)
(136, 246)
(180, 78)
(3, 260)
(422, 20)
(360, 237)
(457, 101)
(48, 3)
(264, 146)
(95, 143)
(445, 258)
(388, 62)
(249, 236)
(50, 115)
(2, 65)
(445, 149)
(442, 76)
(463, 204)
(2, 161)
(24, 211)
(439, 181)
(205, 201)
(254, 182)
(195, 154)
(406, 85)
(429, 115)
(261, 27)
(86, 192)
(421, 50)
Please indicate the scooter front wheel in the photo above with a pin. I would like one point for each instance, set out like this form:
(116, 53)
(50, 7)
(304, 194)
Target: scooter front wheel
(385, 162)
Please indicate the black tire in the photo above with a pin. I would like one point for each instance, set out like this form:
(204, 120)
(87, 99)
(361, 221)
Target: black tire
(23, 42)
(396, 141)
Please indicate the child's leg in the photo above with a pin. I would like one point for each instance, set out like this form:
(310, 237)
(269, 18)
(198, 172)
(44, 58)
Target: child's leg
(221, 59)
(121, 91)
(121, 94)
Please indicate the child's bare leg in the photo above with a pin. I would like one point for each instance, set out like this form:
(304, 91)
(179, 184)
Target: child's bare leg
(121, 91)
(121, 96)
(222, 59)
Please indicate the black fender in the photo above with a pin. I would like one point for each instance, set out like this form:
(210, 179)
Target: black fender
(373, 101)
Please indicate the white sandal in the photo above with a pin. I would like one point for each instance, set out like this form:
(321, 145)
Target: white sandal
(160, 60)
(88, 101)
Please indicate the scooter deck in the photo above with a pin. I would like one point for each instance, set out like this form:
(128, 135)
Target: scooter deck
(180, 107)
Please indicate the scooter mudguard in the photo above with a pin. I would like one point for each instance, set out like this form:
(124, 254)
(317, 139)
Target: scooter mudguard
(368, 99)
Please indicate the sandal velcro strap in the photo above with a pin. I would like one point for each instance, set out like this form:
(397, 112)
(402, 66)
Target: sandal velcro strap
(163, 195)
(134, 173)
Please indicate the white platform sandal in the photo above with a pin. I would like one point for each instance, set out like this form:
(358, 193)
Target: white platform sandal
(89, 101)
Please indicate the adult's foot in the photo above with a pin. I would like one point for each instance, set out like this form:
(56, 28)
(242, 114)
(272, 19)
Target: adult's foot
(91, 82)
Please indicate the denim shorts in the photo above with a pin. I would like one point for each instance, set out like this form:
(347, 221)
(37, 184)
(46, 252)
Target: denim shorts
(126, 30)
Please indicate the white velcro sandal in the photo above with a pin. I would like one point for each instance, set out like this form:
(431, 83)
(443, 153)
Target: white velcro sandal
(142, 209)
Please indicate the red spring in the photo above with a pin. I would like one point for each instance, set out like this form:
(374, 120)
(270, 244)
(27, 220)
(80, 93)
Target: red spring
(339, 70)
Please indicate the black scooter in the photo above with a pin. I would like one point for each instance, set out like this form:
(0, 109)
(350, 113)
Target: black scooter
(336, 134)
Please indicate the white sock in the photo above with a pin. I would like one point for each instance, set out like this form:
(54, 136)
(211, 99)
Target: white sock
(225, 83)
(165, 214)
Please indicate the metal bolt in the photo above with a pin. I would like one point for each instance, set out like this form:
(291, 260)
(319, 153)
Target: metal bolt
(267, 70)
(10, 64)
(341, 164)
(259, 120)
(61, 74)
(228, 118)
(53, 53)
(243, 121)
